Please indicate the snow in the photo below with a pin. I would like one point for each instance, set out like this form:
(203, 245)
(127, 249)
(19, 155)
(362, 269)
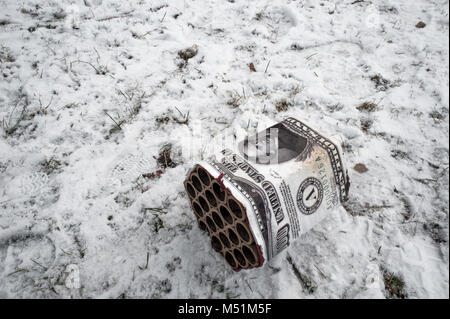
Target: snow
(72, 195)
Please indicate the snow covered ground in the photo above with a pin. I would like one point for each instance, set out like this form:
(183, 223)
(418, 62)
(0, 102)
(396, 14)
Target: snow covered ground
(92, 91)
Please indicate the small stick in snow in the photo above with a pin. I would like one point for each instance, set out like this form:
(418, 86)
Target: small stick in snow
(321, 272)
(98, 55)
(309, 57)
(163, 16)
(65, 252)
(267, 66)
(113, 120)
(38, 264)
(42, 108)
(146, 265)
(15, 272)
(89, 63)
(124, 15)
(153, 175)
(179, 111)
(155, 209)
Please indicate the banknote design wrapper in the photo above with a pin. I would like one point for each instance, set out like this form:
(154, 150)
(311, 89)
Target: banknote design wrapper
(256, 197)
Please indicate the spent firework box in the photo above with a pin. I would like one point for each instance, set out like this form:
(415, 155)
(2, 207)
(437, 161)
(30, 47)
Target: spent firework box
(258, 195)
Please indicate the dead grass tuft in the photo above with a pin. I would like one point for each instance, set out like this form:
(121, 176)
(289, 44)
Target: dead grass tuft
(381, 83)
(394, 286)
(367, 107)
(164, 159)
(282, 105)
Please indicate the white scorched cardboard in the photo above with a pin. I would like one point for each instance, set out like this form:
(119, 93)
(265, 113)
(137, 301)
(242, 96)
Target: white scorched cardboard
(289, 177)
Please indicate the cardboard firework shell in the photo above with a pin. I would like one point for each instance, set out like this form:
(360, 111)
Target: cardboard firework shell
(256, 197)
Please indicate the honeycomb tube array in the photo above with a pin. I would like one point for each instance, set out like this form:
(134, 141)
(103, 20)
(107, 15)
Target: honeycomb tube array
(224, 218)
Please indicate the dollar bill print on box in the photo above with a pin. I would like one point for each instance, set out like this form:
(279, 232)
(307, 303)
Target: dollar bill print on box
(268, 190)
